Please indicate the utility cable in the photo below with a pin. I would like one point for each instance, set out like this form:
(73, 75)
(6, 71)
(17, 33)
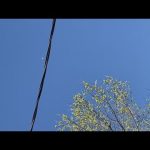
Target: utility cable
(44, 73)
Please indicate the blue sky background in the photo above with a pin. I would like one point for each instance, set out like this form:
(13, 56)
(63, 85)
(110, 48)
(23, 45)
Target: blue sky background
(82, 49)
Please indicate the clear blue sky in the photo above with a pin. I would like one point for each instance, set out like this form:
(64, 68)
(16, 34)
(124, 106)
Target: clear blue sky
(82, 50)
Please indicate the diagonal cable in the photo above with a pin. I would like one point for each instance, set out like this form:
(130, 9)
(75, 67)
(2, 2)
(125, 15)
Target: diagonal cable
(44, 73)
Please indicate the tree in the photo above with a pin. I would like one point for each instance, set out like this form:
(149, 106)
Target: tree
(108, 107)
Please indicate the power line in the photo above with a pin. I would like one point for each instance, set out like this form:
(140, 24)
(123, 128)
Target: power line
(44, 73)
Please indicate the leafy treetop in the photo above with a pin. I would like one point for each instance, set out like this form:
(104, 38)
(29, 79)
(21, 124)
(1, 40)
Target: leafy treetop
(108, 107)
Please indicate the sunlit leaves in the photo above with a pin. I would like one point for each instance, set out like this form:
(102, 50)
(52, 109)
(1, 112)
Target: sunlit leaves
(106, 107)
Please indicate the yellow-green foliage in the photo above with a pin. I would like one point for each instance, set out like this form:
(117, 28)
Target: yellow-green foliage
(108, 107)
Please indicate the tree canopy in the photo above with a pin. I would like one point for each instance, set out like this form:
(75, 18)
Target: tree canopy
(106, 107)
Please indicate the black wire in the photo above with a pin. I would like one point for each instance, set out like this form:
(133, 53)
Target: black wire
(44, 73)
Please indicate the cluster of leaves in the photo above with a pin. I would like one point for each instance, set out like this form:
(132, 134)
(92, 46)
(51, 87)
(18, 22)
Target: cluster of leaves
(109, 107)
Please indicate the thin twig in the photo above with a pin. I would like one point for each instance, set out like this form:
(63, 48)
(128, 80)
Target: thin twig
(115, 116)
